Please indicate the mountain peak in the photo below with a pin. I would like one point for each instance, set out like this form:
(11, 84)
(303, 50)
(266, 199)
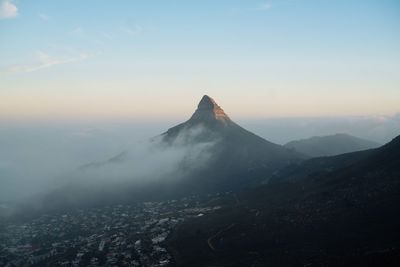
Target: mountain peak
(207, 102)
(208, 110)
(236, 158)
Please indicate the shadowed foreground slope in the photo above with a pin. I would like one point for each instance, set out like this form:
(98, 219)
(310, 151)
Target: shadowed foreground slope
(345, 217)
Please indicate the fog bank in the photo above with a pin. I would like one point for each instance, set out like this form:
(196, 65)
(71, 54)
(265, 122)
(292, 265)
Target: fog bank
(39, 156)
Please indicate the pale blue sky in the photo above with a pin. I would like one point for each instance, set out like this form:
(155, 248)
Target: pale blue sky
(138, 59)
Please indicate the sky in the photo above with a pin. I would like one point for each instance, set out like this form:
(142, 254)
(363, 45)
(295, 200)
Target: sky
(155, 59)
(81, 81)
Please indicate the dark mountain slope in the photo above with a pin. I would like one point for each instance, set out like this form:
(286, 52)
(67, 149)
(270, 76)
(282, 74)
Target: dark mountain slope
(331, 145)
(238, 158)
(382, 158)
(345, 217)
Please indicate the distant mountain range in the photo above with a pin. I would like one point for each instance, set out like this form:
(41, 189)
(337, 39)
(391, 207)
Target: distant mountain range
(331, 145)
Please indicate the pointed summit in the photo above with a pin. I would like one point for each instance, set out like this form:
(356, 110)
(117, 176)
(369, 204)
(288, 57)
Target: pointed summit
(208, 116)
(209, 111)
(236, 158)
(207, 102)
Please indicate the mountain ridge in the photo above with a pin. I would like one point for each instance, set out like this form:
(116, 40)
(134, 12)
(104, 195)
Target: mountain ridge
(331, 145)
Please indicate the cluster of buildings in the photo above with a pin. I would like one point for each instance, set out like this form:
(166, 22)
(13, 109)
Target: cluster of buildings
(120, 235)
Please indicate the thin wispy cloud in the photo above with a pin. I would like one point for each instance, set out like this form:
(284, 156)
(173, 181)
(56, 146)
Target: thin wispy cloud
(106, 35)
(44, 60)
(77, 31)
(44, 17)
(8, 9)
(264, 7)
(132, 29)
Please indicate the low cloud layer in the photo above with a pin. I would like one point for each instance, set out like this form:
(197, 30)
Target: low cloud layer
(151, 161)
(38, 157)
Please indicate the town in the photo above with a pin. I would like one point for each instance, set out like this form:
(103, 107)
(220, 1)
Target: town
(118, 235)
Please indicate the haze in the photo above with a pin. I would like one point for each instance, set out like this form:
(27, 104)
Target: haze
(36, 157)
